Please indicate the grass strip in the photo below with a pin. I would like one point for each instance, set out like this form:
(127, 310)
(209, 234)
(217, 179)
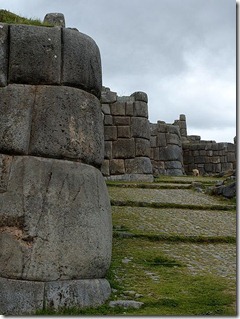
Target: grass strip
(178, 238)
(171, 205)
(149, 186)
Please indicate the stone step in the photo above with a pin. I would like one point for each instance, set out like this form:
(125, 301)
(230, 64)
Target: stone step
(182, 198)
(174, 222)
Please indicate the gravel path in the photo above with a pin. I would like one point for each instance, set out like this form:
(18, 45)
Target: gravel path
(176, 221)
(177, 196)
(215, 259)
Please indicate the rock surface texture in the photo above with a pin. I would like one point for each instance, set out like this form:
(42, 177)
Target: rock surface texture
(55, 214)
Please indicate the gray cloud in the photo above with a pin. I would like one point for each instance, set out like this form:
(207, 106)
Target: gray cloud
(180, 52)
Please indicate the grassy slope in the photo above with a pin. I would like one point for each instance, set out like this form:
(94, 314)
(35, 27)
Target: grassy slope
(12, 18)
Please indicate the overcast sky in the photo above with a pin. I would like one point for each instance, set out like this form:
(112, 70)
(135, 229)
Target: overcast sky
(182, 53)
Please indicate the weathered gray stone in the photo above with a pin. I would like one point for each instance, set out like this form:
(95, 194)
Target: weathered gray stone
(142, 147)
(162, 127)
(124, 148)
(5, 167)
(131, 177)
(231, 157)
(153, 129)
(106, 109)
(118, 108)
(124, 131)
(19, 297)
(182, 117)
(173, 139)
(108, 96)
(140, 96)
(3, 54)
(108, 120)
(121, 120)
(107, 150)
(56, 19)
(153, 141)
(140, 109)
(55, 221)
(174, 172)
(170, 153)
(173, 165)
(140, 127)
(76, 293)
(39, 60)
(228, 191)
(78, 129)
(126, 304)
(161, 140)
(81, 62)
(138, 165)
(105, 168)
(16, 103)
(110, 133)
(129, 108)
(116, 166)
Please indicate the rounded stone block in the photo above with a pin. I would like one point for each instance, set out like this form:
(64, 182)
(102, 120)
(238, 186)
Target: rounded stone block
(81, 62)
(34, 55)
(55, 221)
(140, 96)
(56, 19)
(67, 123)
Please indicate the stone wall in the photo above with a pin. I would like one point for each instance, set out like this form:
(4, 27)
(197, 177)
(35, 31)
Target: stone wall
(166, 149)
(136, 149)
(127, 136)
(55, 214)
(209, 157)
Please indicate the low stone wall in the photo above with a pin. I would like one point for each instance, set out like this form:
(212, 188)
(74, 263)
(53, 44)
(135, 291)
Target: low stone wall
(209, 157)
(127, 137)
(166, 149)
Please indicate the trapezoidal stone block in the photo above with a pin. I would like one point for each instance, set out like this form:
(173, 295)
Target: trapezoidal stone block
(81, 62)
(3, 54)
(55, 221)
(67, 123)
(16, 103)
(34, 54)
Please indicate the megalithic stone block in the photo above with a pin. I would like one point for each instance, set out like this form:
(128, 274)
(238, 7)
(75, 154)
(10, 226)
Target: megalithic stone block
(67, 123)
(35, 55)
(3, 54)
(55, 221)
(81, 62)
